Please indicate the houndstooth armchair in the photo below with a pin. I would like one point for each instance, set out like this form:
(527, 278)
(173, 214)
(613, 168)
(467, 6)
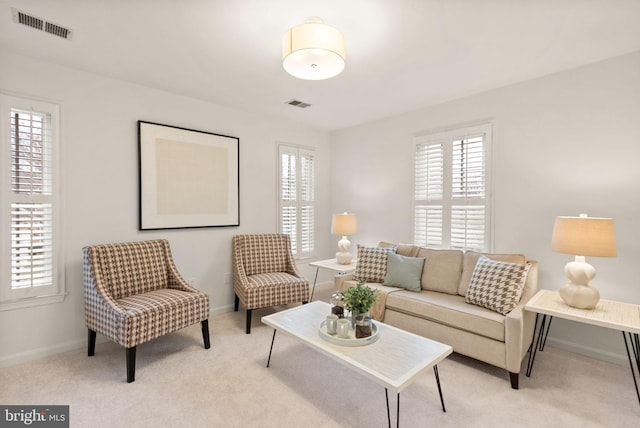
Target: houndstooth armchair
(134, 293)
(265, 274)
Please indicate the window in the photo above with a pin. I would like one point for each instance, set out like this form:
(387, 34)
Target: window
(452, 189)
(296, 198)
(29, 204)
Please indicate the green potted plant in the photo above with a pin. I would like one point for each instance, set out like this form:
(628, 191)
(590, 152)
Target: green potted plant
(359, 300)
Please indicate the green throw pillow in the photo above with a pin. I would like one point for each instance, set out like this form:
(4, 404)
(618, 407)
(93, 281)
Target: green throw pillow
(403, 271)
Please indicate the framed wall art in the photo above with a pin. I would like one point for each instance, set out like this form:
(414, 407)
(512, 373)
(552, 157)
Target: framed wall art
(187, 178)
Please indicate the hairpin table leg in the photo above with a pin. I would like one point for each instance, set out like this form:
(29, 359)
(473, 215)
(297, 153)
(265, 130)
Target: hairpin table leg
(271, 349)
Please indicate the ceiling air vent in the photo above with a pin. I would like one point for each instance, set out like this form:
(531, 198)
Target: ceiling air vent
(297, 103)
(20, 17)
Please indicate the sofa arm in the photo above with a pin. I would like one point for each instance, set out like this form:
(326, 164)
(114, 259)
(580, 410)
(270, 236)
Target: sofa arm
(339, 280)
(520, 324)
(96, 292)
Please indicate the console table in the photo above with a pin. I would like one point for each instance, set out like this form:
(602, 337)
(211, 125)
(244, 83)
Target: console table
(619, 316)
(333, 265)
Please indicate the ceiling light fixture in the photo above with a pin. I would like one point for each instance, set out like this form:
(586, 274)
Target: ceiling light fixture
(313, 50)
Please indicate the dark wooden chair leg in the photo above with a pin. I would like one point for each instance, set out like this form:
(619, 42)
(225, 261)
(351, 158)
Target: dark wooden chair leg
(92, 343)
(205, 334)
(236, 304)
(131, 364)
(514, 379)
(248, 328)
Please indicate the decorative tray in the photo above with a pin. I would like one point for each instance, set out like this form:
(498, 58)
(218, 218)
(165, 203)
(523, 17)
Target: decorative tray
(351, 340)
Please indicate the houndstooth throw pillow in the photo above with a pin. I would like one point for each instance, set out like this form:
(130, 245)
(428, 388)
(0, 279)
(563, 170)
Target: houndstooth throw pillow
(497, 285)
(372, 264)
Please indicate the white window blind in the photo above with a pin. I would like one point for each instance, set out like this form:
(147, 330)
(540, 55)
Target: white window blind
(429, 188)
(451, 197)
(297, 198)
(29, 199)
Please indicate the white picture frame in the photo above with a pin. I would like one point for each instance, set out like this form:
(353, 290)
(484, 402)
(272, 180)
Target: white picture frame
(187, 178)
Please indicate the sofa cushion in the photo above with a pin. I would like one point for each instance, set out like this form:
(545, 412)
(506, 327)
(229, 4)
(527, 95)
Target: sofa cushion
(449, 309)
(469, 264)
(378, 309)
(497, 285)
(372, 263)
(407, 250)
(404, 272)
(442, 269)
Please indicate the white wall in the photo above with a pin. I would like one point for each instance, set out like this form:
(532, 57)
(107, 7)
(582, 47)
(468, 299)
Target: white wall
(564, 144)
(100, 184)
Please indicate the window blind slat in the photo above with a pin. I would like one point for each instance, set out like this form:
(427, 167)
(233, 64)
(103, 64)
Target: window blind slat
(467, 227)
(31, 244)
(429, 172)
(468, 168)
(428, 226)
(31, 160)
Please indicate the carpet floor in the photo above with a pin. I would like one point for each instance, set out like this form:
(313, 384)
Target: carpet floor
(179, 383)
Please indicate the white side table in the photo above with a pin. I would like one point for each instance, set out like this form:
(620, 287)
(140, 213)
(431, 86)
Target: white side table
(332, 265)
(624, 317)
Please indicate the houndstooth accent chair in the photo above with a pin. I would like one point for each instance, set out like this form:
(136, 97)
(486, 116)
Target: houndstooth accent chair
(134, 293)
(265, 274)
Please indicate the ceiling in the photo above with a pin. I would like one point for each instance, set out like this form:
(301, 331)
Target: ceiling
(402, 55)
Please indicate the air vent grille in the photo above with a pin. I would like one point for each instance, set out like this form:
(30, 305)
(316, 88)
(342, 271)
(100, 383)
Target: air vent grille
(31, 21)
(20, 17)
(57, 30)
(299, 104)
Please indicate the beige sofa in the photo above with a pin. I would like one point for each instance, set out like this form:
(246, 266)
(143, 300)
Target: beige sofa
(439, 311)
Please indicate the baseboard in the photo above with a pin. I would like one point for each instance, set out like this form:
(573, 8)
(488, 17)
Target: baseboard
(598, 354)
(221, 310)
(36, 354)
(323, 284)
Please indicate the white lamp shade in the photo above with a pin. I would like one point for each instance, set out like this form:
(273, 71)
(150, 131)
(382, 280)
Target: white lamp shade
(313, 51)
(344, 224)
(584, 236)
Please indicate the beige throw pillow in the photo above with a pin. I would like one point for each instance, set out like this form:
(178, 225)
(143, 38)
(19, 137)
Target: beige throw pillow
(442, 269)
(408, 250)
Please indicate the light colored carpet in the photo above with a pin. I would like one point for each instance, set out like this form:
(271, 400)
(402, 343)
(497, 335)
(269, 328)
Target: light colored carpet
(178, 383)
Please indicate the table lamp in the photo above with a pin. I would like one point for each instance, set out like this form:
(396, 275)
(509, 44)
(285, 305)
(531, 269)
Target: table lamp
(582, 236)
(344, 224)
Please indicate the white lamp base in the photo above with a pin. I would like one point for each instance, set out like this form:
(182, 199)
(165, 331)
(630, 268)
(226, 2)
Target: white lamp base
(579, 296)
(578, 293)
(343, 258)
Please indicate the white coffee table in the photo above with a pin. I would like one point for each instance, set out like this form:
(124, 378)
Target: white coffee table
(394, 361)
